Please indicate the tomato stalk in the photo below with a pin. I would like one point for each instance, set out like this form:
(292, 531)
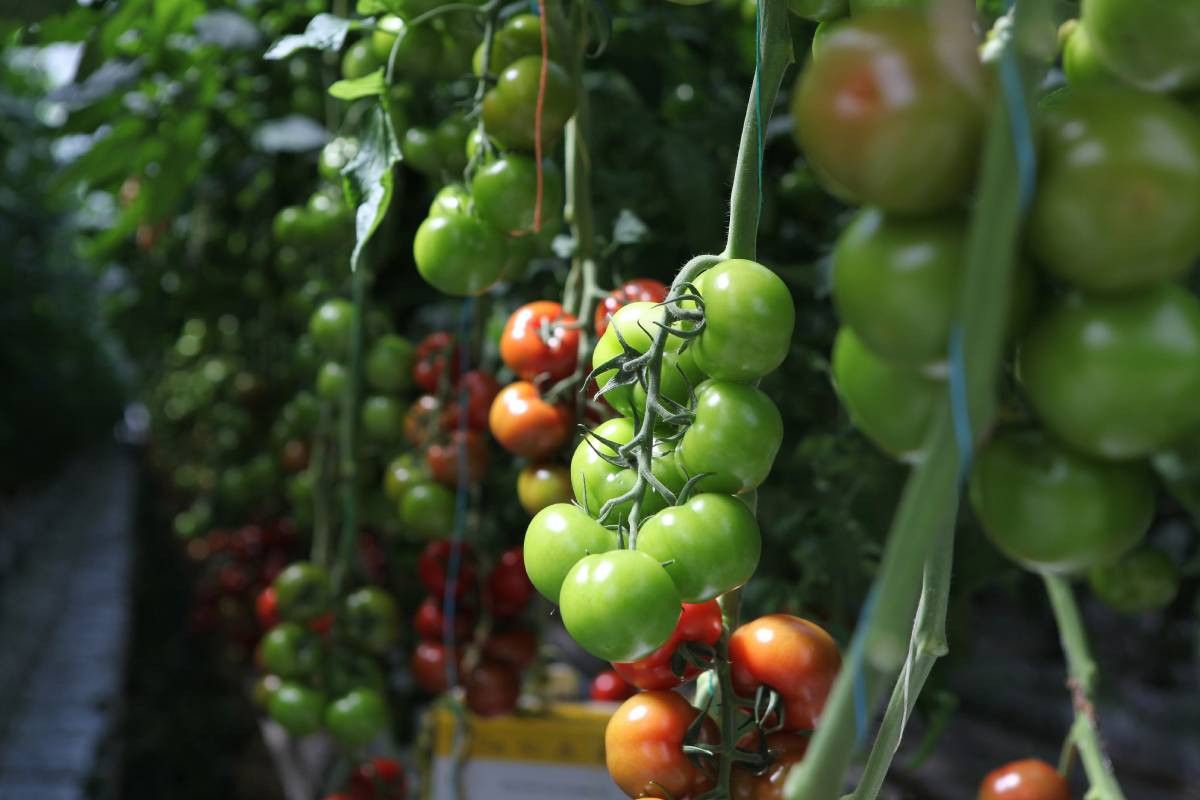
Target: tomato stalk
(318, 473)
(1082, 671)
(347, 438)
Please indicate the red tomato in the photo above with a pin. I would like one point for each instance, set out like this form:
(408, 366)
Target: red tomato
(609, 687)
(381, 778)
(643, 747)
(793, 656)
(322, 624)
(433, 566)
(429, 661)
(247, 543)
(1027, 779)
(492, 689)
(635, 291)
(526, 425)
(530, 351)
(429, 621)
(481, 389)
(516, 647)
(508, 586)
(435, 354)
(785, 750)
(699, 622)
(421, 420)
(266, 608)
(443, 458)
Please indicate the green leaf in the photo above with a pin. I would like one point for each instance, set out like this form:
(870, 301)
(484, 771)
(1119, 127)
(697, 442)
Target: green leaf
(324, 32)
(369, 178)
(366, 7)
(366, 86)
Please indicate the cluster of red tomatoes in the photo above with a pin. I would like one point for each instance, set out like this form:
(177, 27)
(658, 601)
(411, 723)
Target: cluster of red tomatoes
(381, 778)
(1104, 341)
(486, 660)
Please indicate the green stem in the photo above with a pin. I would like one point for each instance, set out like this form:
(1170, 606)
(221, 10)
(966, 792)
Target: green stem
(318, 473)
(1081, 671)
(348, 433)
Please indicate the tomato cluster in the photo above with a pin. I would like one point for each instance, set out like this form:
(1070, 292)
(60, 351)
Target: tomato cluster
(1109, 359)
(380, 778)
(487, 661)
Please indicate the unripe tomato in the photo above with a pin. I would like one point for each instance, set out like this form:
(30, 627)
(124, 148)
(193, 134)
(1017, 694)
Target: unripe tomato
(480, 389)
(446, 459)
(389, 364)
(418, 52)
(453, 198)
(331, 381)
(1153, 44)
(359, 61)
(459, 255)
(527, 353)
(303, 592)
(637, 290)
(508, 588)
(890, 115)
(1081, 62)
(505, 194)
(610, 687)
(335, 155)
(542, 485)
(450, 138)
(1118, 200)
(428, 509)
(748, 321)
(519, 36)
(620, 605)
(1027, 779)
(596, 481)
(297, 708)
(492, 689)
(332, 326)
(635, 324)
(290, 650)
(357, 717)
(526, 425)
(1116, 377)
(382, 419)
(891, 405)
(435, 354)
(734, 437)
(698, 622)
(643, 747)
(402, 474)
(370, 619)
(419, 147)
(509, 107)
(1146, 579)
(558, 537)
(710, 545)
(793, 656)
(1056, 510)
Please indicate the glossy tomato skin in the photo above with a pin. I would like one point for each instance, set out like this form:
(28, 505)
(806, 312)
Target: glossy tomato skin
(357, 717)
(427, 508)
(1027, 779)
(388, 366)
(891, 405)
(445, 459)
(1055, 510)
(1116, 377)
(637, 290)
(711, 545)
(382, 419)
(526, 425)
(370, 619)
(508, 588)
(596, 481)
(492, 689)
(735, 435)
(748, 321)
(543, 485)
(453, 198)
(643, 747)
(381, 778)
(1118, 200)
(890, 117)
(632, 326)
(620, 605)
(297, 708)
(332, 325)
(524, 351)
(459, 255)
(290, 650)
(1154, 45)
(505, 194)
(1082, 64)
(1146, 579)
(558, 537)
(609, 687)
(429, 621)
(428, 664)
(785, 750)
(266, 608)
(509, 108)
(480, 389)
(302, 591)
(698, 622)
(402, 473)
(435, 354)
(793, 656)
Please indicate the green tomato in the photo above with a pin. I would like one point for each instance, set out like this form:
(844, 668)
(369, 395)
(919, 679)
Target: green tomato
(451, 199)
(748, 321)
(1146, 579)
(369, 619)
(332, 325)
(291, 650)
(1081, 64)
(297, 708)
(819, 10)
(505, 194)
(428, 509)
(459, 255)
(709, 545)
(1118, 200)
(357, 718)
(509, 107)
(620, 605)
(382, 419)
(331, 381)
(595, 481)
(418, 53)
(559, 537)
(349, 670)
(677, 382)
(420, 150)
(450, 139)
(302, 591)
(404, 472)
(1055, 510)
(389, 364)
(329, 219)
(891, 116)
(457, 50)
(1153, 44)
(635, 324)
(520, 36)
(891, 405)
(335, 155)
(734, 437)
(1116, 377)
(359, 61)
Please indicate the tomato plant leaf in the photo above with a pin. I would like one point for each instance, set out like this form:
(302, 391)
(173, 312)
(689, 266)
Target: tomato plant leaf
(369, 178)
(324, 32)
(366, 86)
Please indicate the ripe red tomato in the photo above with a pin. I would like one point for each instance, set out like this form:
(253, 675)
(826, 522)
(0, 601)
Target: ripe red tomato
(435, 353)
(381, 778)
(516, 647)
(609, 687)
(526, 425)
(793, 656)
(429, 621)
(699, 622)
(637, 290)
(508, 585)
(266, 608)
(429, 661)
(1027, 779)
(643, 747)
(493, 689)
(421, 420)
(434, 563)
(444, 458)
(527, 353)
(481, 389)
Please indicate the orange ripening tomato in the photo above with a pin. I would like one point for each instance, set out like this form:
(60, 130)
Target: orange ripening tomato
(1026, 779)
(793, 656)
(526, 425)
(643, 747)
(540, 340)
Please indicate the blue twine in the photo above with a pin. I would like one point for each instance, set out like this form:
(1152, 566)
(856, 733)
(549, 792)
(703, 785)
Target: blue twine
(857, 645)
(1022, 127)
(461, 497)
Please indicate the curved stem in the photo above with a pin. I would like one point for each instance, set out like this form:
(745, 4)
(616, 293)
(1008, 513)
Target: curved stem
(1082, 671)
